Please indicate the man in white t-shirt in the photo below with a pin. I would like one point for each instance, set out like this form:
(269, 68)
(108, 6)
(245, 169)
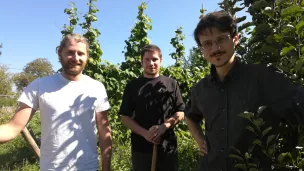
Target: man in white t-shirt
(72, 106)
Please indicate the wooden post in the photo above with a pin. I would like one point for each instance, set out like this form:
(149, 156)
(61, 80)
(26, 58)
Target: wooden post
(154, 158)
(29, 139)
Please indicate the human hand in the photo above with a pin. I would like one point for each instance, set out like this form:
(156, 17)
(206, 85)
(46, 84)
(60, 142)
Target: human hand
(151, 138)
(157, 131)
(203, 150)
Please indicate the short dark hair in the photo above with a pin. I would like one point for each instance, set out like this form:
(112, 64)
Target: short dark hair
(150, 48)
(221, 20)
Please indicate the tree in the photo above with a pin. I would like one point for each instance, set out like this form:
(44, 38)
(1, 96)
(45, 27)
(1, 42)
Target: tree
(195, 62)
(195, 59)
(92, 68)
(73, 20)
(39, 67)
(6, 82)
(137, 40)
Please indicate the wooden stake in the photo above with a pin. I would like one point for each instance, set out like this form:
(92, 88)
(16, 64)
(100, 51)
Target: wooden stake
(29, 139)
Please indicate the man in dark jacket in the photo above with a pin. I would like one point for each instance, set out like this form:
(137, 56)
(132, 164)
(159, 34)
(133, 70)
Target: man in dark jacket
(231, 89)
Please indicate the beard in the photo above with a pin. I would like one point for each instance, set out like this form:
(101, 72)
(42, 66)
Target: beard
(223, 58)
(151, 73)
(72, 68)
(223, 64)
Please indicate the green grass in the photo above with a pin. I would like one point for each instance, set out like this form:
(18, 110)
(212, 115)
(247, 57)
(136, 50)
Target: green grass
(16, 154)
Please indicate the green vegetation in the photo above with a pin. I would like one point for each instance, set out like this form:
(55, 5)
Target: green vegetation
(280, 23)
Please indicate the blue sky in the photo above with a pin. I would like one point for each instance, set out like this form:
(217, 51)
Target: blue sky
(31, 28)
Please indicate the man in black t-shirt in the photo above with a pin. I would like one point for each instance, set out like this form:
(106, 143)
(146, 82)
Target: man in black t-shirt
(152, 105)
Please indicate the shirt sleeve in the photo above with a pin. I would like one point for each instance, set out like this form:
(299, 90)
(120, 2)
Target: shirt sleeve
(285, 98)
(102, 99)
(179, 104)
(192, 111)
(127, 106)
(30, 95)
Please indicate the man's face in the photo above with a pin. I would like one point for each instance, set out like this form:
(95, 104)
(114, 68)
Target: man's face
(217, 47)
(151, 62)
(73, 58)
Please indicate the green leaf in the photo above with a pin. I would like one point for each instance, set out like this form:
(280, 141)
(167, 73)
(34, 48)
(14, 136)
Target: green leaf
(299, 64)
(257, 142)
(267, 49)
(285, 50)
(302, 3)
(268, 11)
(259, 4)
(278, 37)
(247, 156)
(246, 115)
(269, 39)
(251, 129)
(240, 19)
(258, 122)
(263, 28)
(261, 109)
(300, 27)
(282, 1)
(280, 158)
(302, 50)
(270, 150)
(292, 10)
(236, 150)
(284, 157)
(269, 139)
(236, 157)
(285, 69)
(240, 166)
(237, 9)
(253, 169)
(245, 26)
(252, 165)
(266, 131)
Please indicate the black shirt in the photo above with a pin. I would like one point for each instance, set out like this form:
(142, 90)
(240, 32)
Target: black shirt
(245, 88)
(149, 102)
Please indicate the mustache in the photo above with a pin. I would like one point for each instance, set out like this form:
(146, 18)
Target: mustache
(219, 52)
(75, 63)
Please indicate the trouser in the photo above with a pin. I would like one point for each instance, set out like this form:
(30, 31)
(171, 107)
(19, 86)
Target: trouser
(165, 162)
(202, 163)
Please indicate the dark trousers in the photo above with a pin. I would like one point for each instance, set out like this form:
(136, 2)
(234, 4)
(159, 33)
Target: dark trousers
(165, 162)
(202, 163)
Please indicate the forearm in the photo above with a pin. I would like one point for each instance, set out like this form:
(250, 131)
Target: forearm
(105, 139)
(175, 119)
(105, 144)
(16, 124)
(7, 133)
(133, 126)
(195, 130)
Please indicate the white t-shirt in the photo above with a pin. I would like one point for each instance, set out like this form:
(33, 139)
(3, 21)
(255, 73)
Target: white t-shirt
(68, 126)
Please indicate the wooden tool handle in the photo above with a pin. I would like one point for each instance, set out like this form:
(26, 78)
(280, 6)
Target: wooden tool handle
(154, 158)
(29, 139)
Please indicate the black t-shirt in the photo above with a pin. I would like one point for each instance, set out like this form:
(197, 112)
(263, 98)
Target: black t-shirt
(150, 101)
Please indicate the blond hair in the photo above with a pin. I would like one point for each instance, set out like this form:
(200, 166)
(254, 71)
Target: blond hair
(68, 38)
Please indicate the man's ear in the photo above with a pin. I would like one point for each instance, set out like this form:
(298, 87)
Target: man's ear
(235, 39)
